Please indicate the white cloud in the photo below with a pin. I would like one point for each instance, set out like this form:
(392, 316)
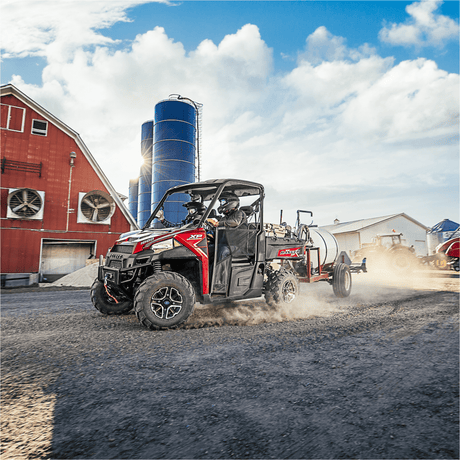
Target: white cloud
(424, 28)
(56, 28)
(345, 131)
(322, 46)
(106, 95)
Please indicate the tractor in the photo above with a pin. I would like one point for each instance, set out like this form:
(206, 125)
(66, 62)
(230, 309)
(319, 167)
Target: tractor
(162, 270)
(387, 252)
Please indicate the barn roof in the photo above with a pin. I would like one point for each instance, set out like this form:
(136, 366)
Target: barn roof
(9, 89)
(445, 225)
(356, 226)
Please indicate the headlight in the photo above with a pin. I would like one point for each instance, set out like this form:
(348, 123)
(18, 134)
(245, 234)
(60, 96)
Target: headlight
(162, 246)
(156, 247)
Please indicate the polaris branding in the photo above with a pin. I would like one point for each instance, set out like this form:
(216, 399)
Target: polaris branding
(295, 252)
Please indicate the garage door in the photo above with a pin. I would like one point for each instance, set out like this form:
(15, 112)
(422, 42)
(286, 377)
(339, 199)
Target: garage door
(61, 258)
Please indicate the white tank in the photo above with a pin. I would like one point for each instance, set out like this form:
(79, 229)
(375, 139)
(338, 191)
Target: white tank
(327, 244)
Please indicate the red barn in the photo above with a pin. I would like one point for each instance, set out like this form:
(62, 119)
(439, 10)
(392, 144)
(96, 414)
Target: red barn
(58, 209)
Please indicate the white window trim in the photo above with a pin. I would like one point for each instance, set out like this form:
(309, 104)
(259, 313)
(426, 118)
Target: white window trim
(39, 132)
(9, 118)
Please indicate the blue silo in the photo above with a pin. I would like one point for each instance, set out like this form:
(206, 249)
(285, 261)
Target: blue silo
(145, 176)
(174, 151)
(133, 197)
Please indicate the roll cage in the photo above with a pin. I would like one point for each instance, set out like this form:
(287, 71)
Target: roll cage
(212, 190)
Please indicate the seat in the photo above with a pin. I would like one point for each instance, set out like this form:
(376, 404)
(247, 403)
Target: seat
(248, 210)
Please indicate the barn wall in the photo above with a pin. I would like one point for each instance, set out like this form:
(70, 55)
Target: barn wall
(21, 239)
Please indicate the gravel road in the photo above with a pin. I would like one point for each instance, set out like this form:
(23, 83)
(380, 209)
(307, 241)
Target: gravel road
(374, 376)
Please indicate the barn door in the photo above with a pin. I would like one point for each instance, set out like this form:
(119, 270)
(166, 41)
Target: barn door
(61, 258)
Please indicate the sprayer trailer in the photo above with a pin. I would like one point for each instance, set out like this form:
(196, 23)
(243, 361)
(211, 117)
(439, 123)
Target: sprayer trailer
(183, 256)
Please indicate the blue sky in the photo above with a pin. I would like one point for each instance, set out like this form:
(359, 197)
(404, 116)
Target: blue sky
(358, 99)
(284, 26)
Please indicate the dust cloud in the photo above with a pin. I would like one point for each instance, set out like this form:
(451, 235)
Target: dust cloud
(318, 300)
(309, 303)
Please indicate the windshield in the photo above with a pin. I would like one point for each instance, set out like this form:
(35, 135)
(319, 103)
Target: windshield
(187, 209)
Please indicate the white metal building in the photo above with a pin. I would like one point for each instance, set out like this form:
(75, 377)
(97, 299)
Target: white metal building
(352, 235)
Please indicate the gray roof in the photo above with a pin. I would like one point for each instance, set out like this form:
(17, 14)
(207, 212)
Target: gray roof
(356, 225)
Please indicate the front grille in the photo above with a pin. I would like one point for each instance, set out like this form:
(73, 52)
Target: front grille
(116, 264)
(124, 248)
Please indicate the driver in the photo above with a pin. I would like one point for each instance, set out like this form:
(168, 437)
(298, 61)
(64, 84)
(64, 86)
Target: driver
(195, 209)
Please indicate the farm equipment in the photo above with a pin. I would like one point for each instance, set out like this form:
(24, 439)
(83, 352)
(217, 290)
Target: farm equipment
(161, 272)
(387, 251)
(448, 253)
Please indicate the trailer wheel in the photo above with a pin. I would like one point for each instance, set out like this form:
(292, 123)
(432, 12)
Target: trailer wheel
(107, 302)
(341, 280)
(281, 288)
(164, 300)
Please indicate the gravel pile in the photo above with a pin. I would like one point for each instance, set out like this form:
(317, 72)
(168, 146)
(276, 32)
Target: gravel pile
(79, 278)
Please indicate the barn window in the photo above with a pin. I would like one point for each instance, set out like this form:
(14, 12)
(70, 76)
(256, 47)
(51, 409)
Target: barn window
(12, 118)
(39, 127)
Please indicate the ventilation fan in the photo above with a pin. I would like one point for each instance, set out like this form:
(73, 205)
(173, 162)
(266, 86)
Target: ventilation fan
(96, 207)
(25, 203)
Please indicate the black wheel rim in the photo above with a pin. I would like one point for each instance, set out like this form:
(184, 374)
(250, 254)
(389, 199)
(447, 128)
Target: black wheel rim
(289, 291)
(166, 302)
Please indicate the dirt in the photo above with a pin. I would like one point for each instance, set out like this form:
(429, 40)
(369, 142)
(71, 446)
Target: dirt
(373, 376)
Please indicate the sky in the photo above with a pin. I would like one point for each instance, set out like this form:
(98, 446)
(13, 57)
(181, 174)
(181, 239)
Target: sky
(346, 109)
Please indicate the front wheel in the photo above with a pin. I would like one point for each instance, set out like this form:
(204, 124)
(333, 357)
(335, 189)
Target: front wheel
(108, 302)
(341, 280)
(164, 300)
(281, 288)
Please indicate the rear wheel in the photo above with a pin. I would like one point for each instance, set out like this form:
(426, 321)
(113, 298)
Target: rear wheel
(403, 261)
(281, 287)
(164, 300)
(107, 301)
(341, 280)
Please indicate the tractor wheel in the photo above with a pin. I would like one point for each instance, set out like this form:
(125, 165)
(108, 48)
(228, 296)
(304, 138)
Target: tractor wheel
(107, 302)
(341, 280)
(164, 300)
(403, 261)
(281, 287)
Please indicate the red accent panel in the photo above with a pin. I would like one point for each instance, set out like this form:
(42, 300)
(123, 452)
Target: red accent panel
(454, 249)
(289, 252)
(191, 240)
(450, 247)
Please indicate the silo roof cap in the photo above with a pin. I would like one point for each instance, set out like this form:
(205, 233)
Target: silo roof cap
(445, 225)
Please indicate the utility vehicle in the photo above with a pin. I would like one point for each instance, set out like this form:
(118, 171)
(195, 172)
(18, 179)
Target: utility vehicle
(168, 265)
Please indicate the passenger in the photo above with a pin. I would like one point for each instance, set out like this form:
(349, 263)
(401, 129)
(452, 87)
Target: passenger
(232, 218)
